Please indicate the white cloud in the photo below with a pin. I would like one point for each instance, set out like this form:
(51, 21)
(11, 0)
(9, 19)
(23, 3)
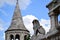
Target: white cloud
(1, 25)
(4, 13)
(22, 3)
(28, 23)
(46, 24)
(1, 28)
(3, 36)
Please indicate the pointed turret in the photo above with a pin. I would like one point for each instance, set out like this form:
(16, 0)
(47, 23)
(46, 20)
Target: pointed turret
(17, 22)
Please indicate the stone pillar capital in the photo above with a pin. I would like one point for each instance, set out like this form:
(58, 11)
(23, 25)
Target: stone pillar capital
(52, 14)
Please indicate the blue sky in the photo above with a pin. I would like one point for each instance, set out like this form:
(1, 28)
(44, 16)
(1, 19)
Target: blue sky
(30, 9)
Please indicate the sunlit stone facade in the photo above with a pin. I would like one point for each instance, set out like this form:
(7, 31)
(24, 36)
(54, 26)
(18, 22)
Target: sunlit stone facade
(54, 32)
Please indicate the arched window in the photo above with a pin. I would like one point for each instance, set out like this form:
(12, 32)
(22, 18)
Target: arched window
(59, 19)
(11, 37)
(17, 37)
(56, 37)
(59, 37)
(25, 37)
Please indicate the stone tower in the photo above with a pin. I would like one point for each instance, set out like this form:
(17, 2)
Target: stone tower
(54, 12)
(17, 30)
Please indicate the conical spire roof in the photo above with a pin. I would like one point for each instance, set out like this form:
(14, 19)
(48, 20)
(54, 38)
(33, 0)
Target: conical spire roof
(17, 22)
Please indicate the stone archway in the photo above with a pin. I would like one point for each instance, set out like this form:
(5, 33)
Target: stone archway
(25, 37)
(11, 37)
(17, 37)
(59, 18)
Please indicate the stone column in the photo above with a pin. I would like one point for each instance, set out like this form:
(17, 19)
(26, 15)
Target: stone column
(8, 37)
(5, 36)
(54, 21)
(22, 36)
(14, 38)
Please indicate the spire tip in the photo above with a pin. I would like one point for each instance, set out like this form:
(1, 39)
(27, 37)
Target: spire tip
(17, 1)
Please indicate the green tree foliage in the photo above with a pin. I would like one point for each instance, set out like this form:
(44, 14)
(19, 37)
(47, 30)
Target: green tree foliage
(28, 37)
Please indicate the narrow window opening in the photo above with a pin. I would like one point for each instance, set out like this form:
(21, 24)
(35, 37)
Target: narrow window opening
(59, 19)
(11, 37)
(25, 37)
(17, 37)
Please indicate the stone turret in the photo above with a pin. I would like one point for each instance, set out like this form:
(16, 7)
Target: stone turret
(17, 22)
(17, 30)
